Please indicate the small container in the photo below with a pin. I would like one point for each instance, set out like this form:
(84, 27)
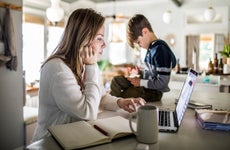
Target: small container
(226, 69)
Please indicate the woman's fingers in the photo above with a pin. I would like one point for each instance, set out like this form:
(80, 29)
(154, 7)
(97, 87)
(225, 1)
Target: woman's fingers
(88, 55)
(134, 103)
(140, 101)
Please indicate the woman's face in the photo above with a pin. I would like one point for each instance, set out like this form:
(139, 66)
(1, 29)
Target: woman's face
(98, 43)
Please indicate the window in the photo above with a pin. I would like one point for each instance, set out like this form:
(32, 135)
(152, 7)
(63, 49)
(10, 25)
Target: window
(117, 46)
(39, 42)
(54, 35)
(206, 51)
(209, 45)
(33, 50)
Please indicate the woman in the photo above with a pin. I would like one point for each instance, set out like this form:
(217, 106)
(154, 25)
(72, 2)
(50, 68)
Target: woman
(70, 85)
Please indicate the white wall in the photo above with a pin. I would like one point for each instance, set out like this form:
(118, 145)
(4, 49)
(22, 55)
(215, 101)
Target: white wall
(11, 92)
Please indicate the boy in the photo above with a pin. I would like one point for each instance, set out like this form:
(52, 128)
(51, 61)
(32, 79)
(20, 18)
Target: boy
(159, 62)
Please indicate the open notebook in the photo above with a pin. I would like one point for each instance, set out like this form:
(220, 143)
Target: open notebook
(170, 120)
(83, 134)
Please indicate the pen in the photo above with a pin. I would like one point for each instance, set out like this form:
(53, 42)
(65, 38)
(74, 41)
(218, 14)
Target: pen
(101, 130)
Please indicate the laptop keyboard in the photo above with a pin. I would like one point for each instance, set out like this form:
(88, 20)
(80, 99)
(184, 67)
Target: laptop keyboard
(164, 118)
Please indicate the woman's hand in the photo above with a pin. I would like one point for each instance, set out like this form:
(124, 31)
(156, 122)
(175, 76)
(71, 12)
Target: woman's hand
(89, 56)
(130, 104)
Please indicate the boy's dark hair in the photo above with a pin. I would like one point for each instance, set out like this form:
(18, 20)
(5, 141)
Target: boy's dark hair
(135, 26)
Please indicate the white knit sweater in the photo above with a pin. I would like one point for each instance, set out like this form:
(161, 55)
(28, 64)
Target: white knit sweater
(61, 100)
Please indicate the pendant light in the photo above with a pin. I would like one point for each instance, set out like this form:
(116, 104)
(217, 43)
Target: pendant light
(55, 13)
(209, 13)
(167, 16)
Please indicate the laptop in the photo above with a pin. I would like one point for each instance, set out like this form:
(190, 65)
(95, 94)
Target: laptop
(170, 120)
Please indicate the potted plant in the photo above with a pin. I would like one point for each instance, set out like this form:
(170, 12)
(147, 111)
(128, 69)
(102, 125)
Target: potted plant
(226, 53)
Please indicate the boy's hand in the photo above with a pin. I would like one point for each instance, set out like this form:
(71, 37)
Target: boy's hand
(133, 72)
(134, 81)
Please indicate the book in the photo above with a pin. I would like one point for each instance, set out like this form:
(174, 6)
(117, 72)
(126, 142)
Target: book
(197, 105)
(213, 119)
(83, 134)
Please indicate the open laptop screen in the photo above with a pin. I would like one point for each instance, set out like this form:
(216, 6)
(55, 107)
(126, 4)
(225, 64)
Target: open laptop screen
(185, 94)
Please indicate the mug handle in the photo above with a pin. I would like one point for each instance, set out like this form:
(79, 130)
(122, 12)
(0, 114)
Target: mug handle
(130, 122)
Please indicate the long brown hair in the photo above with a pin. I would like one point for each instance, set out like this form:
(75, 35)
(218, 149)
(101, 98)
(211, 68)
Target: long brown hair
(82, 27)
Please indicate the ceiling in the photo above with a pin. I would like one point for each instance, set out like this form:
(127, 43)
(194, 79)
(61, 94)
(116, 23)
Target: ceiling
(177, 2)
(96, 1)
(34, 6)
(37, 7)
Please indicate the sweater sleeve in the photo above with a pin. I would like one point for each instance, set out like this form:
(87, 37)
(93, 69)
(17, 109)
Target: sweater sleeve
(159, 61)
(69, 97)
(108, 102)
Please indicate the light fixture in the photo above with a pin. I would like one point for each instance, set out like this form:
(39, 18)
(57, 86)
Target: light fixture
(167, 16)
(209, 13)
(55, 13)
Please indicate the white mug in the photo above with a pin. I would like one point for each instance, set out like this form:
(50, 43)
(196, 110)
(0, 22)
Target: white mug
(147, 124)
